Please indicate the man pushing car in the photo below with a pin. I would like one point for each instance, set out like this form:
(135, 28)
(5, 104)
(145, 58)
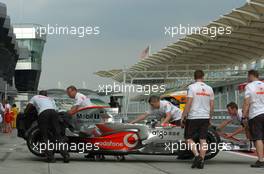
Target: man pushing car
(48, 122)
(161, 109)
(80, 99)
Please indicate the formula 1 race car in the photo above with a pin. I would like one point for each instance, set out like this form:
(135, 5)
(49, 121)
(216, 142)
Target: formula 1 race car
(89, 128)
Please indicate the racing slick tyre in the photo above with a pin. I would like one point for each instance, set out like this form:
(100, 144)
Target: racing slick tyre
(212, 140)
(33, 141)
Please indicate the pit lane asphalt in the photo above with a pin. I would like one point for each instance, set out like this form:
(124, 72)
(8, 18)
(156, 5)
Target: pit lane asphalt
(16, 159)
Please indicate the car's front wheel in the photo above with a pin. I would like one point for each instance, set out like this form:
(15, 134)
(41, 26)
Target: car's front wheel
(34, 141)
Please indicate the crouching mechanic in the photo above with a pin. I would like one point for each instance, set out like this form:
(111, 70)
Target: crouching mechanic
(161, 109)
(198, 112)
(48, 121)
(80, 99)
(235, 118)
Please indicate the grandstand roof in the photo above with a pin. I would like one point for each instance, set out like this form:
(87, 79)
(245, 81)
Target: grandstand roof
(243, 45)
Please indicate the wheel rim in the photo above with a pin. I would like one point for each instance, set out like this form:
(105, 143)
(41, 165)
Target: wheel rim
(34, 142)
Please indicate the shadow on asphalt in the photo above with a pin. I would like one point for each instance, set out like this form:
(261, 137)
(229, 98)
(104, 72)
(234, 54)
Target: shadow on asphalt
(132, 159)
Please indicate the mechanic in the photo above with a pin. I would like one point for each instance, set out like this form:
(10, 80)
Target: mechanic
(197, 115)
(161, 108)
(80, 99)
(236, 118)
(253, 113)
(48, 120)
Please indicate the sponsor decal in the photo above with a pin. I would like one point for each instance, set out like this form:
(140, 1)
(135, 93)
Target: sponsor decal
(131, 140)
(203, 94)
(110, 143)
(94, 116)
(118, 141)
(163, 133)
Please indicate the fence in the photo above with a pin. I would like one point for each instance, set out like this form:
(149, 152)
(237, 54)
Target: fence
(221, 100)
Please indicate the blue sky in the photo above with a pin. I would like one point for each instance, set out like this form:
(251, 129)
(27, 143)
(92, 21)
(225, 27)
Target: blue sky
(126, 26)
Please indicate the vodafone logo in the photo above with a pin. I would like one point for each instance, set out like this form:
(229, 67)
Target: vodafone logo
(113, 144)
(131, 140)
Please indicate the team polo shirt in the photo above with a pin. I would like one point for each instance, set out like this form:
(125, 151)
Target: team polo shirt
(166, 107)
(42, 103)
(237, 119)
(82, 100)
(202, 94)
(255, 91)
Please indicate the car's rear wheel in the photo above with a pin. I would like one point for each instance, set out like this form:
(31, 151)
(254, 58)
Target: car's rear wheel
(212, 140)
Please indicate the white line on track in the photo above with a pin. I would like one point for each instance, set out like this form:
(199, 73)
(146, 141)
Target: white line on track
(242, 154)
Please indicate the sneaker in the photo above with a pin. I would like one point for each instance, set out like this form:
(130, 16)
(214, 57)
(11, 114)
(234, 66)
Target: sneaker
(196, 161)
(66, 158)
(200, 164)
(50, 157)
(257, 164)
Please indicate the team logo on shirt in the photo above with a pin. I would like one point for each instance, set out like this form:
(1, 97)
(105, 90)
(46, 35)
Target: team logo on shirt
(203, 93)
(260, 91)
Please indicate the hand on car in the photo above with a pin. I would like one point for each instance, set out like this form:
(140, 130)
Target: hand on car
(163, 124)
(166, 125)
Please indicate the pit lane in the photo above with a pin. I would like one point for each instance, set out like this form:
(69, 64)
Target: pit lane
(15, 158)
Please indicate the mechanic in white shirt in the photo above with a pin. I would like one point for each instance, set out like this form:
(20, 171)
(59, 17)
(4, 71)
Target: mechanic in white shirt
(235, 118)
(80, 99)
(198, 112)
(161, 109)
(253, 111)
(48, 121)
(43, 103)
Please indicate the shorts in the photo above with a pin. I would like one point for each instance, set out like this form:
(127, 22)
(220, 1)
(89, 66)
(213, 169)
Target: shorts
(194, 126)
(256, 127)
